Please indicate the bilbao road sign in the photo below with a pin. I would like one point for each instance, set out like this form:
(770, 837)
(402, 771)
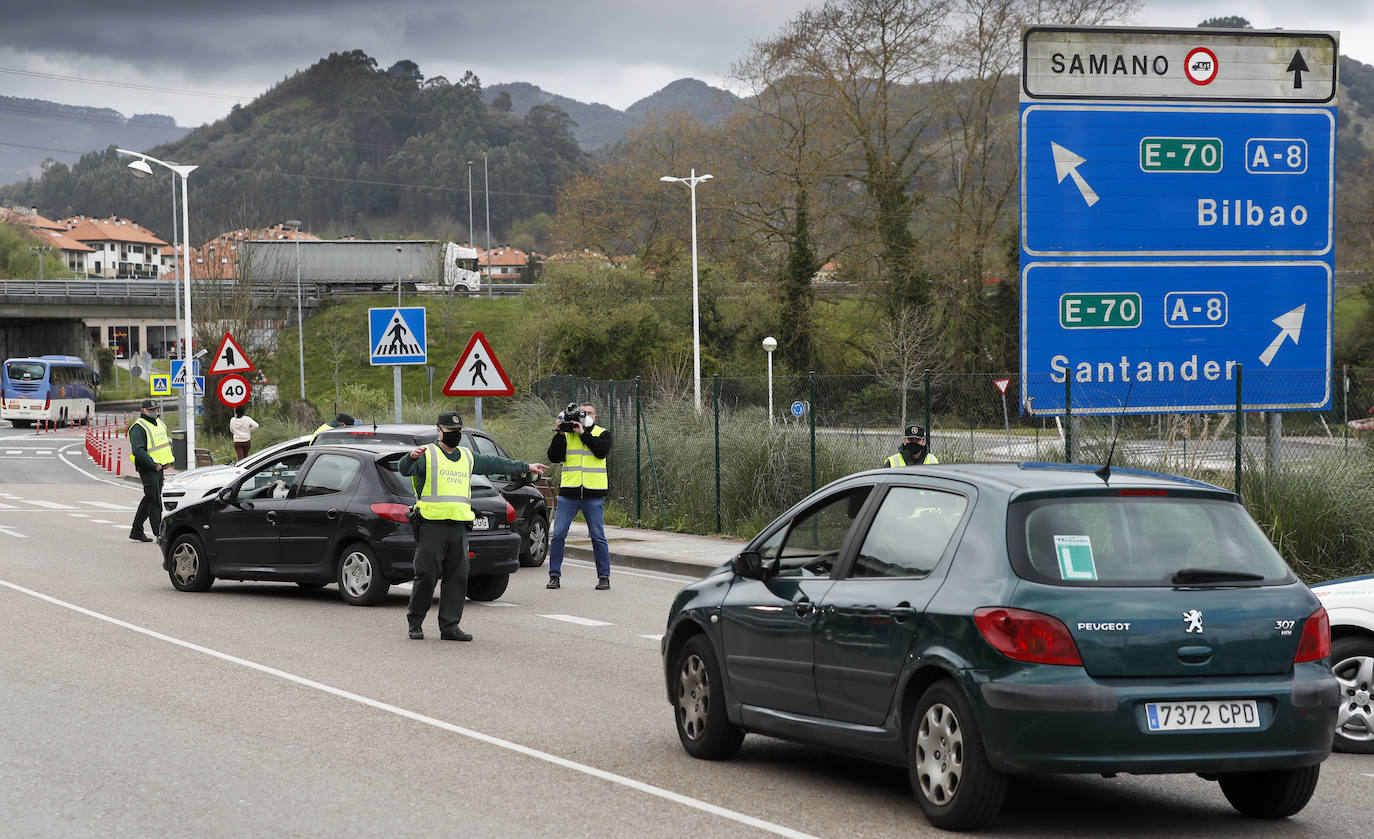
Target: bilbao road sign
(1177, 219)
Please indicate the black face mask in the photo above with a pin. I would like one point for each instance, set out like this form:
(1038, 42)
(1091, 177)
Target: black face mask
(913, 450)
(452, 438)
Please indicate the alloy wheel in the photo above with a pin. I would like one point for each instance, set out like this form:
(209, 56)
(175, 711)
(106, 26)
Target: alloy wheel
(693, 697)
(1355, 716)
(940, 754)
(356, 572)
(185, 563)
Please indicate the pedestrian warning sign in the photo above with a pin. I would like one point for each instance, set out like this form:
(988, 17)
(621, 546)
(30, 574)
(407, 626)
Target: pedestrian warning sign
(397, 335)
(230, 358)
(477, 372)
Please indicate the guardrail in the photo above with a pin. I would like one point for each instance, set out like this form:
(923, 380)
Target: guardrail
(165, 289)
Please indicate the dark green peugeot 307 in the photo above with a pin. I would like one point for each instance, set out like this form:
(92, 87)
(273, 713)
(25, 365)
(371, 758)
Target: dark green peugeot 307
(977, 621)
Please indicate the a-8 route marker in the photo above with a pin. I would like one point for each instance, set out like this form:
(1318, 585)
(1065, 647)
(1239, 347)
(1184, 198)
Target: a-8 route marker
(1177, 218)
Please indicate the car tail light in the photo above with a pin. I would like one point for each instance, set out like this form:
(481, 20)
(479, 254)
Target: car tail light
(1022, 635)
(510, 513)
(1315, 642)
(392, 512)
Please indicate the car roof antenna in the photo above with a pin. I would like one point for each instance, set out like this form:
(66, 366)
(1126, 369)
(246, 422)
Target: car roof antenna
(1105, 470)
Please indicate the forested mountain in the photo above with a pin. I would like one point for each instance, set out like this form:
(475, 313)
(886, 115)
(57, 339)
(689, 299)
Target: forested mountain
(32, 130)
(344, 146)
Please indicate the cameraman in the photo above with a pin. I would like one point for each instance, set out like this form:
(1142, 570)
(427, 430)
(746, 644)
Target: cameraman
(581, 446)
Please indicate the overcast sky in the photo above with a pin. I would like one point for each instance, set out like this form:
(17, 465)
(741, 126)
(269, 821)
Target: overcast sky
(193, 59)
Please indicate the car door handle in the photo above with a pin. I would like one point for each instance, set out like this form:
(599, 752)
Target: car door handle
(902, 612)
(803, 608)
(271, 516)
(332, 514)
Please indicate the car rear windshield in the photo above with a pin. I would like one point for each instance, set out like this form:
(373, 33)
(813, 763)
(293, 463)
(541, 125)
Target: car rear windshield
(357, 436)
(1152, 538)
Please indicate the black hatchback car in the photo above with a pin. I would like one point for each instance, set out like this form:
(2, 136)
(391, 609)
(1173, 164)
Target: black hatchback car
(327, 514)
(522, 491)
(976, 621)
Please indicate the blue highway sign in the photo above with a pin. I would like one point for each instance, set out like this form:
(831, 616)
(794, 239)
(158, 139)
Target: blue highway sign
(397, 335)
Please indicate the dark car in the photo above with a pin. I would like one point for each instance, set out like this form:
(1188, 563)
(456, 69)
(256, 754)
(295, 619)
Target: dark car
(976, 621)
(527, 494)
(327, 514)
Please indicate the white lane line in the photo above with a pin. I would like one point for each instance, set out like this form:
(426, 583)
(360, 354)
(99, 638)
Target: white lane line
(48, 505)
(653, 637)
(8, 507)
(562, 762)
(105, 505)
(79, 515)
(101, 521)
(11, 532)
(575, 619)
(42, 451)
(13, 451)
(67, 453)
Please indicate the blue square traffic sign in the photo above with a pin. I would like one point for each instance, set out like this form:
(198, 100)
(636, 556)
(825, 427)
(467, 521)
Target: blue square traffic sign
(396, 335)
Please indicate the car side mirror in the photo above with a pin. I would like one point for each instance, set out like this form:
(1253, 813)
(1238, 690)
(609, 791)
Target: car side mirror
(749, 564)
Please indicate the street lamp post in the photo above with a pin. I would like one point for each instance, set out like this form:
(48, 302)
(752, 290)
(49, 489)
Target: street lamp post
(40, 250)
(141, 169)
(769, 344)
(300, 329)
(691, 183)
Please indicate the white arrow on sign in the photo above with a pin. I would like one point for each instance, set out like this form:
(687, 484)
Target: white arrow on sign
(1067, 163)
(1290, 324)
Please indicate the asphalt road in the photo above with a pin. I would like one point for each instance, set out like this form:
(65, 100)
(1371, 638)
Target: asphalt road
(130, 709)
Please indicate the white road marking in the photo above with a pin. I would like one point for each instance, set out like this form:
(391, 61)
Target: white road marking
(49, 505)
(575, 619)
(13, 451)
(562, 762)
(8, 507)
(662, 576)
(653, 637)
(11, 532)
(78, 515)
(128, 485)
(105, 505)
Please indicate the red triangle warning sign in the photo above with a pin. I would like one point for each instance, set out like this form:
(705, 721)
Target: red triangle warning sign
(229, 358)
(1002, 385)
(477, 372)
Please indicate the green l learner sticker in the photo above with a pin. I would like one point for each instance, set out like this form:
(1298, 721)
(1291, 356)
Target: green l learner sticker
(1075, 555)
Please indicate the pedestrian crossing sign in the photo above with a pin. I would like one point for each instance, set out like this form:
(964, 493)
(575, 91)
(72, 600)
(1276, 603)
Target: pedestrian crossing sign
(160, 384)
(180, 374)
(477, 372)
(397, 335)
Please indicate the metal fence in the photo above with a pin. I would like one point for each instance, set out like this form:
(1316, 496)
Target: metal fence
(737, 464)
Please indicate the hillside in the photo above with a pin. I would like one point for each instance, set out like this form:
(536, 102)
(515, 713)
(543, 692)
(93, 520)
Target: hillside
(32, 130)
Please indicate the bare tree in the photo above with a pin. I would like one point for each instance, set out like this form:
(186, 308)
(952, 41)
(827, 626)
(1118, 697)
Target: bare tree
(904, 344)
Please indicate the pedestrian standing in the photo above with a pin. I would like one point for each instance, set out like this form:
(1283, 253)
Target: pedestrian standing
(442, 476)
(582, 447)
(913, 451)
(242, 426)
(150, 448)
(339, 421)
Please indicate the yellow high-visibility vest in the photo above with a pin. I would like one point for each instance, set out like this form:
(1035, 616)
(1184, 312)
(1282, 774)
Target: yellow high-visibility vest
(581, 468)
(159, 444)
(899, 459)
(446, 494)
(324, 427)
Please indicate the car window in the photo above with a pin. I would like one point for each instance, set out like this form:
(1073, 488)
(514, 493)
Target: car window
(329, 474)
(1140, 540)
(909, 533)
(273, 479)
(813, 542)
(484, 445)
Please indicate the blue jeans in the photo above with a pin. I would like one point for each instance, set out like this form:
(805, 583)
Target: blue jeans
(592, 511)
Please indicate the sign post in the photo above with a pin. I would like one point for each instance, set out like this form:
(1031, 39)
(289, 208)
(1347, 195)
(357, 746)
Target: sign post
(1177, 219)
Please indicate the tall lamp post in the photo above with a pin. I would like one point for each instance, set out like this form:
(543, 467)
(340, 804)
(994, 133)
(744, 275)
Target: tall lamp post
(300, 330)
(40, 250)
(769, 344)
(141, 169)
(691, 183)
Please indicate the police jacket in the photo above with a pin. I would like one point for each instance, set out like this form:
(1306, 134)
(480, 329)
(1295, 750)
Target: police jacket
(598, 444)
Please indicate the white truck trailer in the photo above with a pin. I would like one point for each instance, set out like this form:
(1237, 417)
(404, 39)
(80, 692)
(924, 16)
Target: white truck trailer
(363, 264)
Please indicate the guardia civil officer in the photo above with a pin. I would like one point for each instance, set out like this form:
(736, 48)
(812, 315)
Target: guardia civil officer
(442, 475)
(151, 451)
(340, 421)
(913, 451)
(581, 446)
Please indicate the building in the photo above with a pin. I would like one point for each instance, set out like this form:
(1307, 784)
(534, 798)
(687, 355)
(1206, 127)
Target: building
(120, 249)
(504, 264)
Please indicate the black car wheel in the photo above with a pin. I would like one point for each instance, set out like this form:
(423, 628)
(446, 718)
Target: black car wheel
(1352, 660)
(487, 586)
(536, 547)
(702, 724)
(360, 578)
(1275, 794)
(190, 570)
(954, 783)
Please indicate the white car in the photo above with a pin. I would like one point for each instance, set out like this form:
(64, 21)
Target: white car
(1350, 605)
(194, 484)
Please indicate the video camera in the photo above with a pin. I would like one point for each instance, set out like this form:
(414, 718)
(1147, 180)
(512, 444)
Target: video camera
(570, 415)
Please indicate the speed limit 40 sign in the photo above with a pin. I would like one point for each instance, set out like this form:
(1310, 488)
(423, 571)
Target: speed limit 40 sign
(233, 391)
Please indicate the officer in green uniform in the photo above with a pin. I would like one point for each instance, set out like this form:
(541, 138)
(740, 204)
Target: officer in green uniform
(913, 451)
(340, 421)
(442, 475)
(151, 451)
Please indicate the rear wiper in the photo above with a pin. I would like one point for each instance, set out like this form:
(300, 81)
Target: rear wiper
(1212, 575)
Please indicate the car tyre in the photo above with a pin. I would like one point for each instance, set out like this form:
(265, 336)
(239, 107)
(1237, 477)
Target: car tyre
(1352, 660)
(189, 567)
(951, 776)
(1272, 794)
(536, 547)
(699, 707)
(486, 587)
(360, 578)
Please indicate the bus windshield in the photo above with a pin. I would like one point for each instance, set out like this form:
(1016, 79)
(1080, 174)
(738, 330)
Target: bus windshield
(25, 371)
